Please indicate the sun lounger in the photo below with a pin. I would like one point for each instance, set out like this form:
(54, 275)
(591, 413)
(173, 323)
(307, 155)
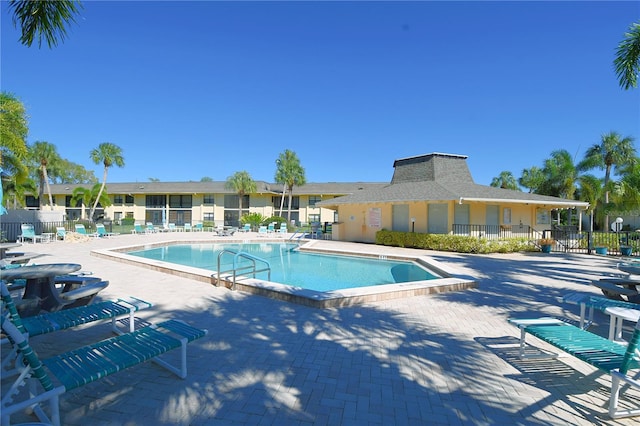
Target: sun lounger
(604, 354)
(50, 322)
(52, 377)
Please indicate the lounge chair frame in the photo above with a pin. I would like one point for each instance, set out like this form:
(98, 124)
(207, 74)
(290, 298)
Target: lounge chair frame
(604, 354)
(50, 378)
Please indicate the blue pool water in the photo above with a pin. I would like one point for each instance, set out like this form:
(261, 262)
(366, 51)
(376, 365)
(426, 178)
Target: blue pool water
(320, 272)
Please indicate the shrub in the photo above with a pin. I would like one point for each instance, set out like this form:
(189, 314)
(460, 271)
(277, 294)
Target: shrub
(127, 221)
(453, 243)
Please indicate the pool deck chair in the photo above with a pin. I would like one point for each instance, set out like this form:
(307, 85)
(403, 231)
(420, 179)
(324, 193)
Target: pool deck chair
(29, 233)
(50, 378)
(137, 229)
(80, 229)
(614, 358)
(49, 322)
(102, 231)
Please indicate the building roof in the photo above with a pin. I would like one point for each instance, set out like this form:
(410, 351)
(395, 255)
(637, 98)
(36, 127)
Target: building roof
(438, 177)
(218, 187)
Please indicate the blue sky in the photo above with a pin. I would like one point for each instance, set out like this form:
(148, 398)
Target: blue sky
(194, 89)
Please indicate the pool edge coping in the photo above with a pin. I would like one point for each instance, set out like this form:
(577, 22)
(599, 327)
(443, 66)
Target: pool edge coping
(451, 280)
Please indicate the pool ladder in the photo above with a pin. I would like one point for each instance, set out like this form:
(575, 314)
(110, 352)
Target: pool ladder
(250, 269)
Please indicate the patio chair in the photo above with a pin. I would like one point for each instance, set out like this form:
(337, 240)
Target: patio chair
(150, 229)
(61, 233)
(198, 227)
(29, 233)
(102, 231)
(262, 231)
(246, 227)
(49, 322)
(137, 229)
(80, 229)
(611, 357)
(187, 227)
(50, 378)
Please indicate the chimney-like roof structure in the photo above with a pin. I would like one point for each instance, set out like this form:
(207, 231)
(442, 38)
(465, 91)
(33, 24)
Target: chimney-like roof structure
(439, 177)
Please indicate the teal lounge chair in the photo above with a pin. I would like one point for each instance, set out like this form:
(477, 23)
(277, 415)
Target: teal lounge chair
(102, 231)
(137, 229)
(606, 355)
(61, 233)
(50, 378)
(29, 233)
(80, 229)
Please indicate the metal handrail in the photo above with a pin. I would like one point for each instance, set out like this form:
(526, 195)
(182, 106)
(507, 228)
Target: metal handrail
(235, 269)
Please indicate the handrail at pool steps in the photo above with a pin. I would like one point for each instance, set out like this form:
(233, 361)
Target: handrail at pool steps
(235, 269)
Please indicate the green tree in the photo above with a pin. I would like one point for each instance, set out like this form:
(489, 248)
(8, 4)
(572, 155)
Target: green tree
(43, 19)
(17, 186)
(242, 184)
(505, 180)
(289, 173)
(206, 179)
(109, 155)
(590, 190)
(613, 151)
(90, 196)
(13, 130)
(532, 178)
(561, 175)
(65, 171)
(627, 60)
(44, 154)
(626, 191)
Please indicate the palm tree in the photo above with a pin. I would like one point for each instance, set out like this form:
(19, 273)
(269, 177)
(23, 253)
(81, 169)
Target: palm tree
(44, 154)
(532, 178)
(627, 61)
(626, 192)
(242, 184)
(43, 19)
(88, 196)
(561, 175)
(109, 155)
(505, 180)
(612, 151)
(590, 190)
(289, 173)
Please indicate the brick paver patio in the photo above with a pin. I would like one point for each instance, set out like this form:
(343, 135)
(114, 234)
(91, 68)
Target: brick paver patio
(443, 359)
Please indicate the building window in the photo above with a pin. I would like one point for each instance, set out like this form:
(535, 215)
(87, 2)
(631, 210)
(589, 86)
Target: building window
(313, 199)
(128, 199)
(156, 201)
(32, 202)
(118, 199)
(180, 201)
(209, 199)
(231, 202)
(295, 202)
(129, 215)
(208, 217)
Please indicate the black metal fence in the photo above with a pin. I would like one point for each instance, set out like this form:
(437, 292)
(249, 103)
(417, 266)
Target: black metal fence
(10, 231)
(566, 238)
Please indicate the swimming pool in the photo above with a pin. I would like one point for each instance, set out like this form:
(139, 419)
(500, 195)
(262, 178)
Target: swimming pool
(288, 265)
(449, 278)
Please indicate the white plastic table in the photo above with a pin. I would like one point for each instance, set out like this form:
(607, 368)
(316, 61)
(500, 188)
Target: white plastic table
(617, 317)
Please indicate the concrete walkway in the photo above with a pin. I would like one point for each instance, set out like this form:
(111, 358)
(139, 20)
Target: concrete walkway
(444, 359)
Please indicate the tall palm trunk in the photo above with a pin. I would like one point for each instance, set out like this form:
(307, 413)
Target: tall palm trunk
(46, 181)
(95, 204)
